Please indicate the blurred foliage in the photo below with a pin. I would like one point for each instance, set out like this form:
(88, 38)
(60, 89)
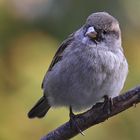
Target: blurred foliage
(30, 33)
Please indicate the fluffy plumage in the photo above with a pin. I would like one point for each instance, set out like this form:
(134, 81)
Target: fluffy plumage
(86, 68)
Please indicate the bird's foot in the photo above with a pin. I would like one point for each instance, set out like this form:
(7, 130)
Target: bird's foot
(73, 122)
(108, 104)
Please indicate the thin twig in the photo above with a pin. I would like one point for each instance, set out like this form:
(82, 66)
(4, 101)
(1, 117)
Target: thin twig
(95, 115)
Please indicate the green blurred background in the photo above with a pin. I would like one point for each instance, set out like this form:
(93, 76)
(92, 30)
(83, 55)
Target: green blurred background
(30, 33)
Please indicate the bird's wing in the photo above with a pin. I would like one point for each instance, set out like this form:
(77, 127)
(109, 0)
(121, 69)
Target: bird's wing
(59, 54)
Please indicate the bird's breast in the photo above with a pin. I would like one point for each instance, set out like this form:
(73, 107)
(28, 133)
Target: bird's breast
(84, 76)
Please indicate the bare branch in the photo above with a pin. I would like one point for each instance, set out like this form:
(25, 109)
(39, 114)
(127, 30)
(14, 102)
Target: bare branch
(95, 115)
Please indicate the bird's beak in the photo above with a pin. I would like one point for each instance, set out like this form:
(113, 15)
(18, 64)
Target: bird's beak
(91, 33)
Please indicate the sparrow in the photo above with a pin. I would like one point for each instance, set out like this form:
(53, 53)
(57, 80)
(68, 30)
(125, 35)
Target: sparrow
(89, 65)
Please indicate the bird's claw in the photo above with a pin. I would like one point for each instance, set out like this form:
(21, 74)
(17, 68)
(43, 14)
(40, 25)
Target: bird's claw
(108, 104)
(73, 122)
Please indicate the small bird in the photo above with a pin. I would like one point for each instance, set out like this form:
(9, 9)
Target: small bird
(88, 66)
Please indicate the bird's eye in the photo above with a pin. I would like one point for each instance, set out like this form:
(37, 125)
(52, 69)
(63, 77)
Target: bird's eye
(104, 32)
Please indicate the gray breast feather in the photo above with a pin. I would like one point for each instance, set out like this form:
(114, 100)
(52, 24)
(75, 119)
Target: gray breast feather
(84, 76)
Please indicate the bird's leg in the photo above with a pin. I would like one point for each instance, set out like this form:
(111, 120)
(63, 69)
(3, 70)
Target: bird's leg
(73, 122)
(108, 103)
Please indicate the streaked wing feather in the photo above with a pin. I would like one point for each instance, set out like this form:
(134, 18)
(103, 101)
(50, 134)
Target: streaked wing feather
(59, 54)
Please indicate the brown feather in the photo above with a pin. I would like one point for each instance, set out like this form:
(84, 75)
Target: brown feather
(59, 54)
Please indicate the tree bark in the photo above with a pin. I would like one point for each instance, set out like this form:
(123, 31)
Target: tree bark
(97, 114)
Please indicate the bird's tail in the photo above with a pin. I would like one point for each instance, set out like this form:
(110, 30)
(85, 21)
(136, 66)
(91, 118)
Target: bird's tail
(40, 108)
